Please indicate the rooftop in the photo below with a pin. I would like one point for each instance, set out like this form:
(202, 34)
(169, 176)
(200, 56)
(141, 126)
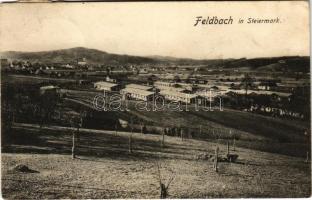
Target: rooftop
(162, 82)
(48, 87)
(137, 91)
(105, 84)
(171, 88)
(137, 86)
(177, 94)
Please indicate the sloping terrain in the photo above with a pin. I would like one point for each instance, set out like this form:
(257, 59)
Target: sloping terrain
(72, 54)
(250, 130)
(105, 169)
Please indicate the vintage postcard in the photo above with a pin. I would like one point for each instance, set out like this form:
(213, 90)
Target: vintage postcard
(153, 100)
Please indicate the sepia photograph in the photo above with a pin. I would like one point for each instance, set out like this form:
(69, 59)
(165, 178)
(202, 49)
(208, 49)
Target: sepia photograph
(155, 100)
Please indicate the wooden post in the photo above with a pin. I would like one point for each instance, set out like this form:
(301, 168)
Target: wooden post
(216, 159)
(78, 135)
(141, 126)
(162, 141)
(131, 124)
(234, 144)
(228, 148)
(200, 129)
(130, 143)
(73, 146)
(116, 129)
(307, 160)
(181, 132)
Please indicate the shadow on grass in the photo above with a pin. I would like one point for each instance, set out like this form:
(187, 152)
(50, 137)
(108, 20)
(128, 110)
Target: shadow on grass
(60, 185)
(92, 145)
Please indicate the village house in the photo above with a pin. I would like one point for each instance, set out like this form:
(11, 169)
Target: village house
(105, 86)
(81, 61)
(267, 85)
(143, 71)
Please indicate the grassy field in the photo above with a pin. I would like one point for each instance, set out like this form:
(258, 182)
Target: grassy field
(270, 164)
(253, 131)
(248, 125)
(105, 169)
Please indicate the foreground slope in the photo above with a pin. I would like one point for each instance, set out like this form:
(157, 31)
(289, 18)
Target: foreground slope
(105, 169)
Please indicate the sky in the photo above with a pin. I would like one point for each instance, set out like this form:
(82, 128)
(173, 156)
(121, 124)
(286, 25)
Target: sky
(158, 28)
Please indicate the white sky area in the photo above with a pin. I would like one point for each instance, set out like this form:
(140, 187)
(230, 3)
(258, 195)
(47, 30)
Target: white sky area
(157, 28)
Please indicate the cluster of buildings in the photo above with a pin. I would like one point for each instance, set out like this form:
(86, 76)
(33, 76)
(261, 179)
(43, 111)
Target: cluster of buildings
(193, 91)
(169, 91)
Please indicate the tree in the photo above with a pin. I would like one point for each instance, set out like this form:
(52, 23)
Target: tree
(151, 79)
(164, 188)
(247, 83)
(108, 70)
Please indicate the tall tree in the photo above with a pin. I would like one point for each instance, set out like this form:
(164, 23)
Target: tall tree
(247, 83)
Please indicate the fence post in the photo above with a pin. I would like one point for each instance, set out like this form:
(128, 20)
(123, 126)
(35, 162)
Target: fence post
(130, 143)
(181, 132)
(216, 159)
(228, 148)
(78, 135)
(116, 129)
(162, 142)
(234, 144)
(141, 126)
(73, 146)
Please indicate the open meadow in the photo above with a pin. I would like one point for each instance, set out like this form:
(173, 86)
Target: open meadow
(104, 168)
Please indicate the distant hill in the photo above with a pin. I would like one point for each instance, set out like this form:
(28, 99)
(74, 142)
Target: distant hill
(71, 55)
(93, 56)
(289, 63)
